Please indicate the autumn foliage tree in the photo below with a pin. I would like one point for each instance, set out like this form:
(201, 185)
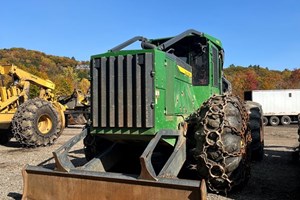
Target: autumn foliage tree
(259, 78)
(61, 70)
(294, 80)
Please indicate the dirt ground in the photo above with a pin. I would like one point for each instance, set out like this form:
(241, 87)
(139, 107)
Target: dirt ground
(276, 177)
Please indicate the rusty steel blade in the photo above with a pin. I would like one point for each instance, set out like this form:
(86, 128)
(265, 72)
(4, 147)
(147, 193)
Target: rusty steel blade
(42, 183)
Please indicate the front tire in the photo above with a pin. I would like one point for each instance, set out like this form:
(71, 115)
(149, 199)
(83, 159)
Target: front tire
(221, 153)
(36, 123)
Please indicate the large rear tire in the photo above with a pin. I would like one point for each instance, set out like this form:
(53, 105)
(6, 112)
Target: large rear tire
(255, 125)
(36, 123)
(221, 153)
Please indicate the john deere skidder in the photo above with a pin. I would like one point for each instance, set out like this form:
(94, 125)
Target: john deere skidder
(162, 120)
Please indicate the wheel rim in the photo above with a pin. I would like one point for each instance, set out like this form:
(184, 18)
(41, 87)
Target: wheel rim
(44, 124)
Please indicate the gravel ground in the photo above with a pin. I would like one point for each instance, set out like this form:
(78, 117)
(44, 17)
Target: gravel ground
(276, 177)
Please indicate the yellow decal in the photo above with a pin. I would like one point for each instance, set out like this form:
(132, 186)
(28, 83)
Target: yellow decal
(184, 71)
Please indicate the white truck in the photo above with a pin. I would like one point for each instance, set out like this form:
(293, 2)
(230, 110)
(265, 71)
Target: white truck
(279, 106)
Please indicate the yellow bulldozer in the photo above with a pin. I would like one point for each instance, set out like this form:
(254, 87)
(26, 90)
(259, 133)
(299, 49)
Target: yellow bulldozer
(77, 107)
(34, 122)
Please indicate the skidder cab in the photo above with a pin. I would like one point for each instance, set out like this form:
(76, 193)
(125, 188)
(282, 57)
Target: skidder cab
(149, 136)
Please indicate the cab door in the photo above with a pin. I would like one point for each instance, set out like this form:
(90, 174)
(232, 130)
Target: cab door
(215, 68)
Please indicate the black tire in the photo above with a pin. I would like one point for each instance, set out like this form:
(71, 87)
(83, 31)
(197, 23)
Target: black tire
(265, 121)
(256, 128)
(258, 153)
(257, 146)
(255, 135)
(221, 143)
(274, 120)
(285, 120)
(5, 136)
(254, 110)
(255, 124)
(36, 123)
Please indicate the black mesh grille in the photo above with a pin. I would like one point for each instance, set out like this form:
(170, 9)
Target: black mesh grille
(123, 91)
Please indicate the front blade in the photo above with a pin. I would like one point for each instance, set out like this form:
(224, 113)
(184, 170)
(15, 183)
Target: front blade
(42, 183)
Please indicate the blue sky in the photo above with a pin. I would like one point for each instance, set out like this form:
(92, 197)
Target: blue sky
(261, 32)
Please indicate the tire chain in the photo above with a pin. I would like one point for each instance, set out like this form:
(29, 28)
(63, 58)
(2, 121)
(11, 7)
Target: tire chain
(212, 127)
(20, 132)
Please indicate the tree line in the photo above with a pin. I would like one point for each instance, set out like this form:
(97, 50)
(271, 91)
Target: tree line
(60, 70)
(64, 73)
(255, 77)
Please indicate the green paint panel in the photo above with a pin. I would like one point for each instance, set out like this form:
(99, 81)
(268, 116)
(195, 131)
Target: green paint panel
(170, 85)
(174, 96)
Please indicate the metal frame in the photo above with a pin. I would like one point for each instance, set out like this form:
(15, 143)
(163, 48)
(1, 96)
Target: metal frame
(105, 160)
(127, 43)
(179, 37)
(94, 182)
(173, 164)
